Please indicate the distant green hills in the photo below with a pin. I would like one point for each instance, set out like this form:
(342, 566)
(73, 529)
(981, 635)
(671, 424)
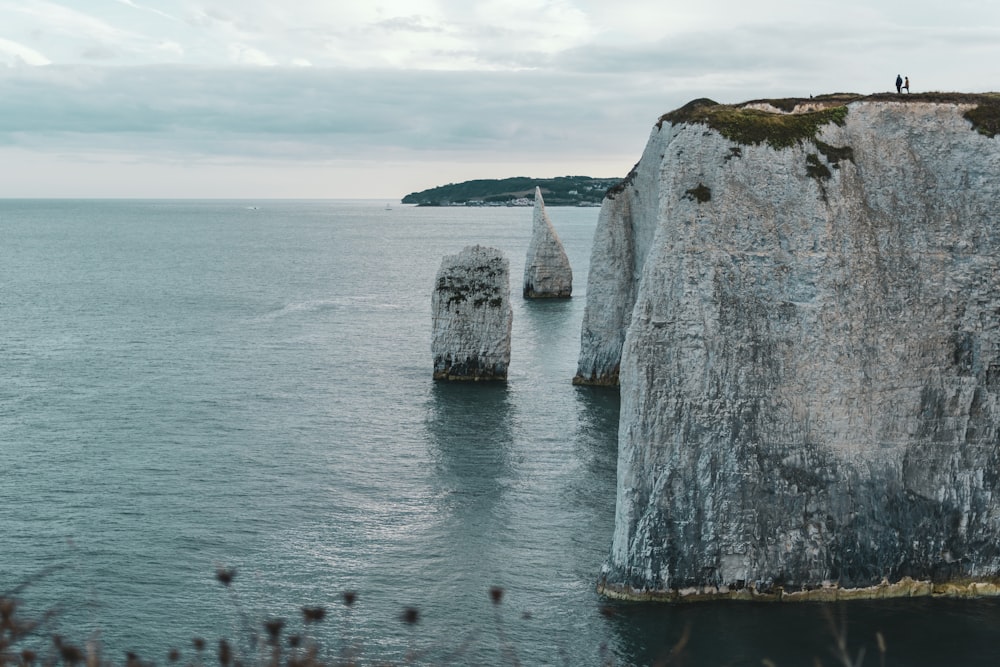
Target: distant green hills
(517, 191)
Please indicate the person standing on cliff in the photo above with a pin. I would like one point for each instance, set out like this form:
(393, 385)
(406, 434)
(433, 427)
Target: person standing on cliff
(899, 84)
(906, 84)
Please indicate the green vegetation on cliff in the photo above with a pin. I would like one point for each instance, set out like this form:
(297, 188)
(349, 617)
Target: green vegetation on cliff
(520, 190)
(800, 118)
(753, 126)
(986, 116)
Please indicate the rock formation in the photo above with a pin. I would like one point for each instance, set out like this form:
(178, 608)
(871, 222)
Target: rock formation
(808, 308)
(472, 316)
(622, 239)
(547, 273)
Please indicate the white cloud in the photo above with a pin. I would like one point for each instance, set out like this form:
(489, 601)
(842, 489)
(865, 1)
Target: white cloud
(242, 54)
(170, 47)
(111, 33)
(58, 19)
(485, 35)
(15, 53)
(152, 10)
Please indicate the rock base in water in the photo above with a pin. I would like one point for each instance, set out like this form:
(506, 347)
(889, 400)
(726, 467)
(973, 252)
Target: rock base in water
(829, 592)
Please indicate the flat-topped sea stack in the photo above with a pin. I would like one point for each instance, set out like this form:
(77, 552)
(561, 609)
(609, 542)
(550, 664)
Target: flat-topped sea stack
(806, 296)
(547, 273)
(472, 316)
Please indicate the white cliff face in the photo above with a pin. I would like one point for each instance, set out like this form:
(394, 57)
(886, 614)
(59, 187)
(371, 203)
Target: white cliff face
(472, 316)
(622, 240)
(810, 377)
(547, 273)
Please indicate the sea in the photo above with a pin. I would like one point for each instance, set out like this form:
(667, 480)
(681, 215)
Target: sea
(189, 388)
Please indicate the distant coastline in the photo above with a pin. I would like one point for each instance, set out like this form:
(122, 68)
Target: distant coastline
(516, 191)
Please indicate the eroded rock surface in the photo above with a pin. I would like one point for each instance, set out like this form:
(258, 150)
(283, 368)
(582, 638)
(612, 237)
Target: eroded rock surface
(547, 273)
(472, 316)
(810, 365)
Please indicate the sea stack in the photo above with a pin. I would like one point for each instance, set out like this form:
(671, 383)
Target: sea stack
(805, 294)
(472, 316)
(547, 273)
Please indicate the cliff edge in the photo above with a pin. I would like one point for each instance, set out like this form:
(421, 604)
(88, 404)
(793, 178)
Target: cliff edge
(805, 299)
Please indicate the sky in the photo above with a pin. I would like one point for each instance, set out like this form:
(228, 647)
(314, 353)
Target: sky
(380, 98)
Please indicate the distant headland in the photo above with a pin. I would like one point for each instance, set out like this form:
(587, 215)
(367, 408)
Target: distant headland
(517, 191)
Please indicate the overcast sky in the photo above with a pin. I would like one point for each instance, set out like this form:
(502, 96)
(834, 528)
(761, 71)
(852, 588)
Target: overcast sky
(379, 98)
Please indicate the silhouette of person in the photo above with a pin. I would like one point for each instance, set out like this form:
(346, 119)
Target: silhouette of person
(906, 84)
(899, 84)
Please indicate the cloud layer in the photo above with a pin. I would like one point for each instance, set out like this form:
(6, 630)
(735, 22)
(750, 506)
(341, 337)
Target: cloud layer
(524, 85)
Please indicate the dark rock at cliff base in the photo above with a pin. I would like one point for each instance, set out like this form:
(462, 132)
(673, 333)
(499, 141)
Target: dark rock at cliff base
(472, 316)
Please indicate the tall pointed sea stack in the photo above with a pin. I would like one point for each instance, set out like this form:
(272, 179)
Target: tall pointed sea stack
(810, 374)
(547, 273)
(472, 316)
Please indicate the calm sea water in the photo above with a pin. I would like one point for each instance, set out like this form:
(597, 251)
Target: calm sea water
(192, 385)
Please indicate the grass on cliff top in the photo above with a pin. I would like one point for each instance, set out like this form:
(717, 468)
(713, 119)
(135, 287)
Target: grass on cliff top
(751, 126)
(985, 117)
(788, 104)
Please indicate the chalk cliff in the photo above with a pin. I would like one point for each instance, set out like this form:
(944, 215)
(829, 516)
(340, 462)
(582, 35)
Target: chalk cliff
(808, 310)
(547, 273)
(472, 316)
(625, 228)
